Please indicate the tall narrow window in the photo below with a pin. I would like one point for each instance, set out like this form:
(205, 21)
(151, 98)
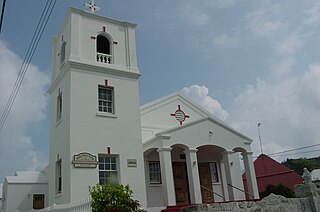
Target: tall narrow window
(214, 172)
(154, 172)
(105, 99)
(107, 168)
(59, 176)
(103, 44)
(63, 52)
(59, 106)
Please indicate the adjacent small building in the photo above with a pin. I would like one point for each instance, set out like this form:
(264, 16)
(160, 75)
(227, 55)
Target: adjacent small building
(25, 190)
(270, 172)
(315, 174)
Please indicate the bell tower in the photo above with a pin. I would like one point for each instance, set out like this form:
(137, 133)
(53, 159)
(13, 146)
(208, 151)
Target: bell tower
(95, 131)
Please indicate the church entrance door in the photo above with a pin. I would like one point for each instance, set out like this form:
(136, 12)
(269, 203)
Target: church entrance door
(181, 183)
(205, 182)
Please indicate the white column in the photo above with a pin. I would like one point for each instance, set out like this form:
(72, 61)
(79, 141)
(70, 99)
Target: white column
(167, 176)
(234, 176)
(250, 175)
(193, 176)
(224, 181)
(225, 157)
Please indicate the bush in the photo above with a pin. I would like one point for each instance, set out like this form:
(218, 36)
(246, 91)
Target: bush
(113, 197)
(280, 189)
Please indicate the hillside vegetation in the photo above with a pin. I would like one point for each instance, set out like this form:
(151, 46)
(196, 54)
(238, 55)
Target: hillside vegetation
(297, 165)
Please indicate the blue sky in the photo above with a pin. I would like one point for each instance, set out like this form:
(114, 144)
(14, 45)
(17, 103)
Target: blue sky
(244, 61)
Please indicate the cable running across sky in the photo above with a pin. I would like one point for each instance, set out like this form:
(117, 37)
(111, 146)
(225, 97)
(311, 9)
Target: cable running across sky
(46, 13)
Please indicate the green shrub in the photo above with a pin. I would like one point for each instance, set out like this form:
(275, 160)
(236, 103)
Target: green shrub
(113, 197)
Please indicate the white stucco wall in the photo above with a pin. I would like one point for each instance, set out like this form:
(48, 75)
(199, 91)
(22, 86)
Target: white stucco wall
(83, 128)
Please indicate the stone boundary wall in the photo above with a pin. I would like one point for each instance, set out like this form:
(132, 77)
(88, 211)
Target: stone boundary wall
(272, 203)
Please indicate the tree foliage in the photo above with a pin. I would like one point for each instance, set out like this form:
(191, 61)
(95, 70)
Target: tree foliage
(279, 189)
(297, 165)
(113, 198)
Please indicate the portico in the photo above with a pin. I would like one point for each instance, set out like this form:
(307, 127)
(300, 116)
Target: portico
(199, 163)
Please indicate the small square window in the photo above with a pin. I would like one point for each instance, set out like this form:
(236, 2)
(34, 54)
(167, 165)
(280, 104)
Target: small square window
(38, 201)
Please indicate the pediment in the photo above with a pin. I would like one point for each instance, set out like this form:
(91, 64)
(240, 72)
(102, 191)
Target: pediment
(161, 112)
(167, 112)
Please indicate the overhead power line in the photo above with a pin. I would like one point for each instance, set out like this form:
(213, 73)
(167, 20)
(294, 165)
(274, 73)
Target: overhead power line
(46, 13)
(275, 154)
(2, 13)
(298, 153)
(291, 150)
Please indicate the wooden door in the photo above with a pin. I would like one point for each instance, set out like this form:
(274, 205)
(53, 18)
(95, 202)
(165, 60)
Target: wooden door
(181, 183)
(205, 182)
(38, 201)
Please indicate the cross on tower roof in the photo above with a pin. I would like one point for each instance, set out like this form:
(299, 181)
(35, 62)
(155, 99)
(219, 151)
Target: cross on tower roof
(92, 7)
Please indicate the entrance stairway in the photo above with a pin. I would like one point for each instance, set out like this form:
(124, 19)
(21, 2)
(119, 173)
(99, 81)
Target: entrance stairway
(175, 208)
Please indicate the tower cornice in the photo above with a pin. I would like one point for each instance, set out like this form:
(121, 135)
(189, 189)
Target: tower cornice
(113, 70)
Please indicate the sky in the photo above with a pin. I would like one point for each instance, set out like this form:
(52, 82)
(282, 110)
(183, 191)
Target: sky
(246, 62)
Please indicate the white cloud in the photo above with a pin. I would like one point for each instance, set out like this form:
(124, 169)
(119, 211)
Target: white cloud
(224, 3)
(286, 51)
(310, 87)
(263, 22)
(17, 150)
(225, 41)
(289, 45)
(200, 94)
(287, 109)
(194, 15)
(313, 15)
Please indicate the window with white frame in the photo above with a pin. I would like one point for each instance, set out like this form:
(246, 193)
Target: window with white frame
(214, 172)
(154, 172)
(105, 99)
(59, 106)
(108, 170)
(59, 176)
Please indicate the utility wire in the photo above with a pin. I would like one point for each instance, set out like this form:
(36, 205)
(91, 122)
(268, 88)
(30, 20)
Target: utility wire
(290, 150)
(298, 153)
(275, 154)
(46, 13)
(2, 13)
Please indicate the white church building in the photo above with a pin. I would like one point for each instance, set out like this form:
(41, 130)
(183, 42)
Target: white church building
(170, 151)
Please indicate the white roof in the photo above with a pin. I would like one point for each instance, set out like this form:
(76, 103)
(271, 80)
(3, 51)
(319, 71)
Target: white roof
(28, 177)
(315, 174)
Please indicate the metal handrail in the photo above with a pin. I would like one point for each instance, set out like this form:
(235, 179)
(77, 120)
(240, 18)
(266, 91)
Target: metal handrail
(240, 190)
(213, 192)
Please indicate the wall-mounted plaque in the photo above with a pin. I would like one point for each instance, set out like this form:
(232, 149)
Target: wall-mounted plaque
(132, 162)
(84, 160)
